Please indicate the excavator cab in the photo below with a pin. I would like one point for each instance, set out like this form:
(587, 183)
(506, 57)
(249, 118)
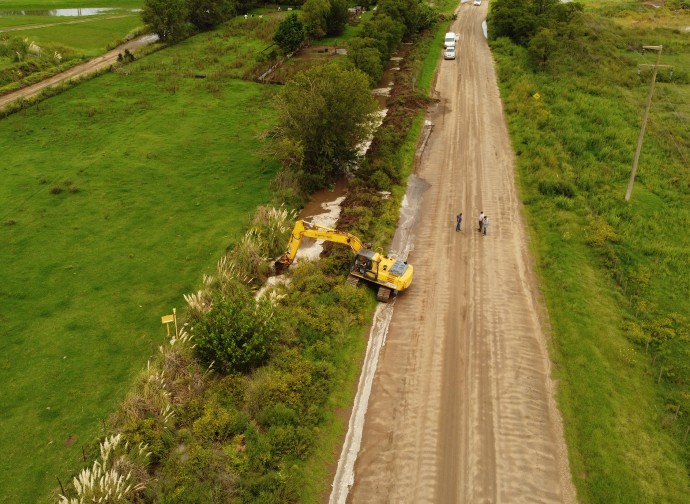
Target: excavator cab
(365, 264)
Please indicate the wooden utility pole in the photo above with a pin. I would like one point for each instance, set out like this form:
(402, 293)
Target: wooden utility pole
(644, 120)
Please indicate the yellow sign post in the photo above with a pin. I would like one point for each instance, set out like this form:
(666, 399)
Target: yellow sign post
(169, 319)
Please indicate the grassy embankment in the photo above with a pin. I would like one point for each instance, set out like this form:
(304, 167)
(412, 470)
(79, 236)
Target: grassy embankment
(615, 274)
(116, 196)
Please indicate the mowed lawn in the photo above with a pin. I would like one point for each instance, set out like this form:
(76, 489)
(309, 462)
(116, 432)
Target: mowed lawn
(116, 197)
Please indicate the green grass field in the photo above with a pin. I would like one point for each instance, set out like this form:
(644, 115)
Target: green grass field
(615, 275)
(73, 38)
(90, 38)
(117, 195)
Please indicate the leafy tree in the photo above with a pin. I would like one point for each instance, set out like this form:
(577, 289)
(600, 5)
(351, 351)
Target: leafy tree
(541, 47)
(387, 31)
(413, 14)
(205, 14)
(512, 19)
(236, 333)
(520, 20)
(337, 18)
(315, 14)
(325, 113)
(365, 56)
(290, 34)
(167, 18)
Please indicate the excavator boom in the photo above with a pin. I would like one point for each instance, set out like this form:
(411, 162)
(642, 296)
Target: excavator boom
(303, 228)
(389, 274)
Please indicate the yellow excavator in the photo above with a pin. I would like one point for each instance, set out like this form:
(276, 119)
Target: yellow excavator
(390, 274)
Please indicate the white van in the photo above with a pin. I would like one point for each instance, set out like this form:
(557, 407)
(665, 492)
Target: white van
(449, 40)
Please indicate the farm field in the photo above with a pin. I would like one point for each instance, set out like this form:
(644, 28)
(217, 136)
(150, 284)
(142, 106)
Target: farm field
(118, 194)
(88, 38)
(39, 44)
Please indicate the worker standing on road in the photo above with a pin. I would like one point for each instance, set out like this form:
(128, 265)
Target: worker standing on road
(458, 221)
(485, 223)
(481, 220)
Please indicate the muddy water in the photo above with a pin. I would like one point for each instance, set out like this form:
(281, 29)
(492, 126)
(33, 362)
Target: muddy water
(324, 206)
(385, 84)
(323, 209)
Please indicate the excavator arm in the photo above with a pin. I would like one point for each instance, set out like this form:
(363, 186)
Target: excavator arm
(303, 228)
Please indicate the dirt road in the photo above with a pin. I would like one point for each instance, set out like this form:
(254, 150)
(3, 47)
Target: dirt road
(77, 71)
(461, 407)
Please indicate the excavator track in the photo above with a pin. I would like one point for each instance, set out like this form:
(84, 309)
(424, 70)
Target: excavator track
(384, 295)
(352, 280)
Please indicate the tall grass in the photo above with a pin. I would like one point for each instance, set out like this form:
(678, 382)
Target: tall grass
(615, 274)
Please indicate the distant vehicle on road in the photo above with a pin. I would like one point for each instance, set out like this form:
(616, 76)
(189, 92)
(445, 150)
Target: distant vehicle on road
(449, 40)
(477, 2)
(449, 53)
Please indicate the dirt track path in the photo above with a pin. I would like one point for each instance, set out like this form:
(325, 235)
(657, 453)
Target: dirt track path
(462, 408)
(76, 72)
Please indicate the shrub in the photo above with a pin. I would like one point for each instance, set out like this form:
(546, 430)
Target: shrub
(236, 333)
(600, 232)
(278, 414)
(219, 423)
(110, 477)
(556, 188)
(290, 34)
(290, 442)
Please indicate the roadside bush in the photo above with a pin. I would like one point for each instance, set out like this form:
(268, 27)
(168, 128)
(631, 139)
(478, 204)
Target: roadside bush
(271, 487)
(153, 433)
(194, 474)
(273, 225)
(236, 333)
(230, 390)
(290, 442)
(218, 423)
(287, 190)
(600, 232)
(278, 414)
(556, 188)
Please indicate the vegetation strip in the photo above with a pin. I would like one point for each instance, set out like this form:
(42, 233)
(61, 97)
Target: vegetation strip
(615, 277)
